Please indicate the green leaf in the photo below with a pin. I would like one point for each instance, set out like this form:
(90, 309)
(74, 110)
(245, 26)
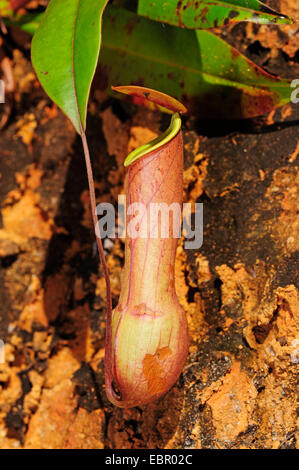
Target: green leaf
(65, 51)
(206, 14)
(196, 67)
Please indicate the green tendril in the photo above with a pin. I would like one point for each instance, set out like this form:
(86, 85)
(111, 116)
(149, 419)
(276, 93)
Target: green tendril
(158, 142)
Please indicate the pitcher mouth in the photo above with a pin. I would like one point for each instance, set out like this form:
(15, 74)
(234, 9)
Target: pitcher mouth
(167, 136)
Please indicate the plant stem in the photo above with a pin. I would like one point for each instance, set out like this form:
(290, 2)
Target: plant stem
(100, 248)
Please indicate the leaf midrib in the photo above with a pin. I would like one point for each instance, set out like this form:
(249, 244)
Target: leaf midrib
(73, 67)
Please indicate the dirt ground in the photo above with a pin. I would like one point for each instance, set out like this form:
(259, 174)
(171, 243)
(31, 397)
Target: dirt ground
(240, 290)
